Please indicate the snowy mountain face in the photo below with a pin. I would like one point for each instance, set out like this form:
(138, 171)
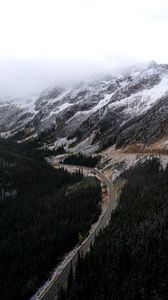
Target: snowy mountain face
(125, 108)
(15, 114)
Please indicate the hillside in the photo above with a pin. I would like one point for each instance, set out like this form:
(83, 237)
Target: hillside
(129, 259)
(41, 217)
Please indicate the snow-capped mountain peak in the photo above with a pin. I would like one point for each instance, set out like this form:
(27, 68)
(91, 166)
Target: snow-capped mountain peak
(99, 108)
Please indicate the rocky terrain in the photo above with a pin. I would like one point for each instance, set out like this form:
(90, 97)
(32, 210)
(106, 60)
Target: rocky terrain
(115, 161)
(126, 108)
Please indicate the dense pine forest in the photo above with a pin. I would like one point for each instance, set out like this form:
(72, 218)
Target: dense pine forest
(43, 212)
(129, 260)
(82, 160)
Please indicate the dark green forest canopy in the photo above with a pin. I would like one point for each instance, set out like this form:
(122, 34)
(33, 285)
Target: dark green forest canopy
(129, 260)
(82, 160)
(42, 212)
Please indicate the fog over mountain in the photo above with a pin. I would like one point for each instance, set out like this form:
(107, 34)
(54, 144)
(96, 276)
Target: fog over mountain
(83, 150)
(27, 77)
(45, 43)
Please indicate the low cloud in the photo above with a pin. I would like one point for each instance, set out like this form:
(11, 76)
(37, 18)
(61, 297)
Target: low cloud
(28, 77)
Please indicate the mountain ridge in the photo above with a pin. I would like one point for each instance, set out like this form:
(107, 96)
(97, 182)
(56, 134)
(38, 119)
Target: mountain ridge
(122, 108)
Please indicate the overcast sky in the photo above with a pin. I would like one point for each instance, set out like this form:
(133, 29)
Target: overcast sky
(45, 42)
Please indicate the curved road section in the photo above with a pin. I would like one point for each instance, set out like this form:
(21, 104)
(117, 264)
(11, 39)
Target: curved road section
(59, 279)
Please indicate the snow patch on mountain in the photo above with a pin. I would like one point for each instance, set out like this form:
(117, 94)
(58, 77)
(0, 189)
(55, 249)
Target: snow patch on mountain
(20, 103)
(97, 108)
(140, 102)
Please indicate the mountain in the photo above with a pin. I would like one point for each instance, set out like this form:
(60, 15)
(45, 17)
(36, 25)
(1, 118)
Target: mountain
(125, 108)
(16, 114)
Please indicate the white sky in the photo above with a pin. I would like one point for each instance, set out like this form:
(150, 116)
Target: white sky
(47, 41)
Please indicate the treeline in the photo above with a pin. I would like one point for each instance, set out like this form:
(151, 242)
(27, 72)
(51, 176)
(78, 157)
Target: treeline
(129, 260)
(23, 170)
(48, 152)
(41, 220)
(82, 160)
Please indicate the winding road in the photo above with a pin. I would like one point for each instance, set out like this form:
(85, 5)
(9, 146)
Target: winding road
(59, 279)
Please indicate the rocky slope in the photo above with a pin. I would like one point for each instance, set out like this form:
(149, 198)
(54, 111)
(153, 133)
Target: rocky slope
(126, 108)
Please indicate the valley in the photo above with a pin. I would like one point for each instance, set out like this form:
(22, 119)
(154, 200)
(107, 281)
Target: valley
(79, 177)
(83, 150)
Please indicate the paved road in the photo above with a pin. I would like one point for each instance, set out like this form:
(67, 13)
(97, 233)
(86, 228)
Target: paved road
(50, 292)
